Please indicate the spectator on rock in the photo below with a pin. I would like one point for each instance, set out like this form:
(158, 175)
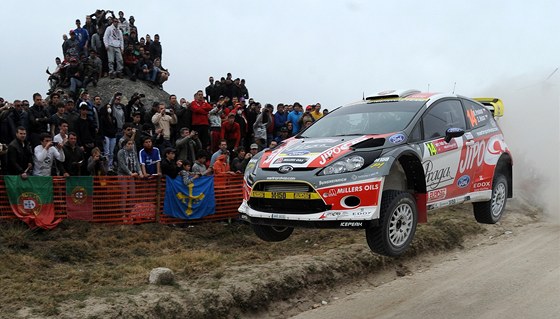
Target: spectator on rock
(55, 77)
(91, 28)
(155, 48)
(211, 91)
(75, 74)
(53, 103)
(162, 74)
(130, 62)
(82, 36)
(20, 156)
(73, 157)
(114, 43)
(123, 23)
(145, 69)
(44, 156)
(71, 46)
(244, 90)
(149, 158)
(92, 69)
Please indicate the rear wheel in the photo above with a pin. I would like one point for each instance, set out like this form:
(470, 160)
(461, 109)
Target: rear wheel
(272, 233)
(491, 211)
(399, 218)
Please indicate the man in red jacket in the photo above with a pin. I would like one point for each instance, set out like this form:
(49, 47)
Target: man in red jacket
(231, 132)
(200, 109)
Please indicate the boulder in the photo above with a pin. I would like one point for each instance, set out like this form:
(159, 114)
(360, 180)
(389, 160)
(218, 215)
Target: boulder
(161, 276)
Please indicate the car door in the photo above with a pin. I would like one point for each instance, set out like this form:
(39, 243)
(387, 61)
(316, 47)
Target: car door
(440, 158)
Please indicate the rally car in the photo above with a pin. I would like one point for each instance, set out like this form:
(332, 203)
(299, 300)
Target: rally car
(381, 164)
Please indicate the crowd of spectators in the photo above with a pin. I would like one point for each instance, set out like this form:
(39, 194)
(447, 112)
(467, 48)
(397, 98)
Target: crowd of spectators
(106, 45)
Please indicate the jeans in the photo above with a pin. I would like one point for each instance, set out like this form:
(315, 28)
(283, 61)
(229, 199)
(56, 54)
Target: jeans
(108, 148)
(75, 84)
(112, 54)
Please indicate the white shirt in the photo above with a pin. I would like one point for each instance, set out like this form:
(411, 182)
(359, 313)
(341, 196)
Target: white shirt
(43, 159)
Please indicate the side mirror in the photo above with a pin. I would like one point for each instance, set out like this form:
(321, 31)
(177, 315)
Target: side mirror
(453, 132)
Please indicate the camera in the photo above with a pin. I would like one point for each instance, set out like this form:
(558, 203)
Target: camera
(103, 158)
(167, 111)
(55, 143)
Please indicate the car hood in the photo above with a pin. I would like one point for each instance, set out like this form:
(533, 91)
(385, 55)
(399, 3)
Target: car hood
(311, 152)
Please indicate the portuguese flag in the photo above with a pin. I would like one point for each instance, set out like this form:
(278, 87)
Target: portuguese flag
(31, 200)
(79, 199)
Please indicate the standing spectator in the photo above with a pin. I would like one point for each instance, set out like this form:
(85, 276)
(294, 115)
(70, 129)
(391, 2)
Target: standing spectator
(82, 36)
(210, 90)
(280, 118)
(163, 119)
(123, 24)
(61, 136)
(294, 117)
(231, 132)
(186, 173)
(222, 150)
(244, 90)
(188, 145)
(44, 155)
(261, 124)
(71, 46)
(57, 117)
(169, 166)
(317, 114)
(118, 112)
(91, 28)
(39, 120)
(85, 130)
(200, 109)
(239, 163)
(184, 116)
(108, 129)
(70, 114)
(199, 165)
(128, 160)
(114, 43)
(73, 157)
(20, 156)
(149, 158)
(221, 166)
(254, 149)
(97, 164)
(215, 119)
(155, 48)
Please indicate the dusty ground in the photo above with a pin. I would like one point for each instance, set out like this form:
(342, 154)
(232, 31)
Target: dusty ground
(222, 270)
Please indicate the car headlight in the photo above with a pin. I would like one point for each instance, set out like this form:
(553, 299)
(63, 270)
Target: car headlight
(347, 164)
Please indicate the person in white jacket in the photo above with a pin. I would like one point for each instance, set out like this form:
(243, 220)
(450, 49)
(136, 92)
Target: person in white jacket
(114, 43)
(44, 155)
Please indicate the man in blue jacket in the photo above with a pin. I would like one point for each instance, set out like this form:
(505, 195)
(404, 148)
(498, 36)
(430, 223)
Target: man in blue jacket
(294, 117)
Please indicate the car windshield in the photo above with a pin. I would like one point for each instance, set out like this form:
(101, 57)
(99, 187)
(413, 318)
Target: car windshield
(372, 118)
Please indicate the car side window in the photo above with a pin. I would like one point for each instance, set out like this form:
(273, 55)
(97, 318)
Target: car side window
(441, 116)
(477, 115)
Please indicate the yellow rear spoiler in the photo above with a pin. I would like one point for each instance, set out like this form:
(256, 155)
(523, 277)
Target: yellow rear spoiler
(493, 104)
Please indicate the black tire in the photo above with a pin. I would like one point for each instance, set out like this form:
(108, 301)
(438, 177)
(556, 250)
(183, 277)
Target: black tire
(491, 211)
(398, 218)
(272, 233)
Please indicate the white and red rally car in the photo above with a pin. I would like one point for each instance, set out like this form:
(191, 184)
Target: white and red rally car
(381, 164)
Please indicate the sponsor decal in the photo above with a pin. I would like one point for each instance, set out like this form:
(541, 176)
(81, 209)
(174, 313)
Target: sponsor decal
(495, 147)
(280, 178)
(487, 131)
(332, 181)
(330, 153)
(382, 159)
(306, 146)
(440, 146)
(437, 194)
(333, 215)
(472, 117)
(284, 169)
(354, 177)
(358, 188)
(351, 224)
(469, 136)
(397, 138)
(463, 181)
(362, 213)
(473, 156)
(278, 216)
(377, 165)
(365, 176)
(436, 177)
(297, 153)
(292, 160)
(325, 140)
(481, 185)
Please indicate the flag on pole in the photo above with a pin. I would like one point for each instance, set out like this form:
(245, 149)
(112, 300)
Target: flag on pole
(79, 197)
(192, 201)
(31, 200)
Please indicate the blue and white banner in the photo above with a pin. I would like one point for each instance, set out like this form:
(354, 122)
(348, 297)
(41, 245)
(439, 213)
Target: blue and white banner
(192, 201)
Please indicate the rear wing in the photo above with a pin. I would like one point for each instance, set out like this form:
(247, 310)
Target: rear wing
(493, 104)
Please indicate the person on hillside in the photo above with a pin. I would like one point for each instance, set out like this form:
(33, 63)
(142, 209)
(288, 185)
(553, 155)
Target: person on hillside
(75, 74)
(294, 117)
(188, 145)
(61, 136)
(82, 36)
(108, 129)
(39, 120)
(239, 163)
(231, 132)
(199, 165)
(97, 164)
(169, 166)
(155, 48)
(92, 69)
(186, 174)
(73, 157)
(114, 43)
(200, 109)
(163, 119)
(128, 160)
(149, 158)
(44, 156)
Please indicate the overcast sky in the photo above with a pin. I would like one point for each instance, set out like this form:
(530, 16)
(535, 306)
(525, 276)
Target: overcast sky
(308, 51)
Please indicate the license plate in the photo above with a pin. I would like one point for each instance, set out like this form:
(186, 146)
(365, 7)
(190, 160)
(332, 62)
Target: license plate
(284, 195)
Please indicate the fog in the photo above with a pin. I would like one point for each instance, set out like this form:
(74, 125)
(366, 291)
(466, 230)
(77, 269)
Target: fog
(531, 128)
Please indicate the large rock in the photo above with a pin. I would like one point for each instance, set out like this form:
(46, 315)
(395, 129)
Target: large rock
(161, 276)
(107, 87)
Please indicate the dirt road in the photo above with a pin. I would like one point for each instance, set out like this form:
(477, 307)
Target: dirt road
(514, 276)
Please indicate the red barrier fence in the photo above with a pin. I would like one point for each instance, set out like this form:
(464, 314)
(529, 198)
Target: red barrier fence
(126, 200)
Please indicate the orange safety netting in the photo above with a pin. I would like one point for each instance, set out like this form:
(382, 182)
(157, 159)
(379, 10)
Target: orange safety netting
(128, 200)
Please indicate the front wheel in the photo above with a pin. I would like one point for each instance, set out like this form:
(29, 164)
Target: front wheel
(272, 233)
(491, 211)
(399, 218)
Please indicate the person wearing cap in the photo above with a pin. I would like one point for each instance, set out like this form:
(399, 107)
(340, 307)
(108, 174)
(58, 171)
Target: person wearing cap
(254, 149)
(114, 43)
(169, 166)
(283, 135)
